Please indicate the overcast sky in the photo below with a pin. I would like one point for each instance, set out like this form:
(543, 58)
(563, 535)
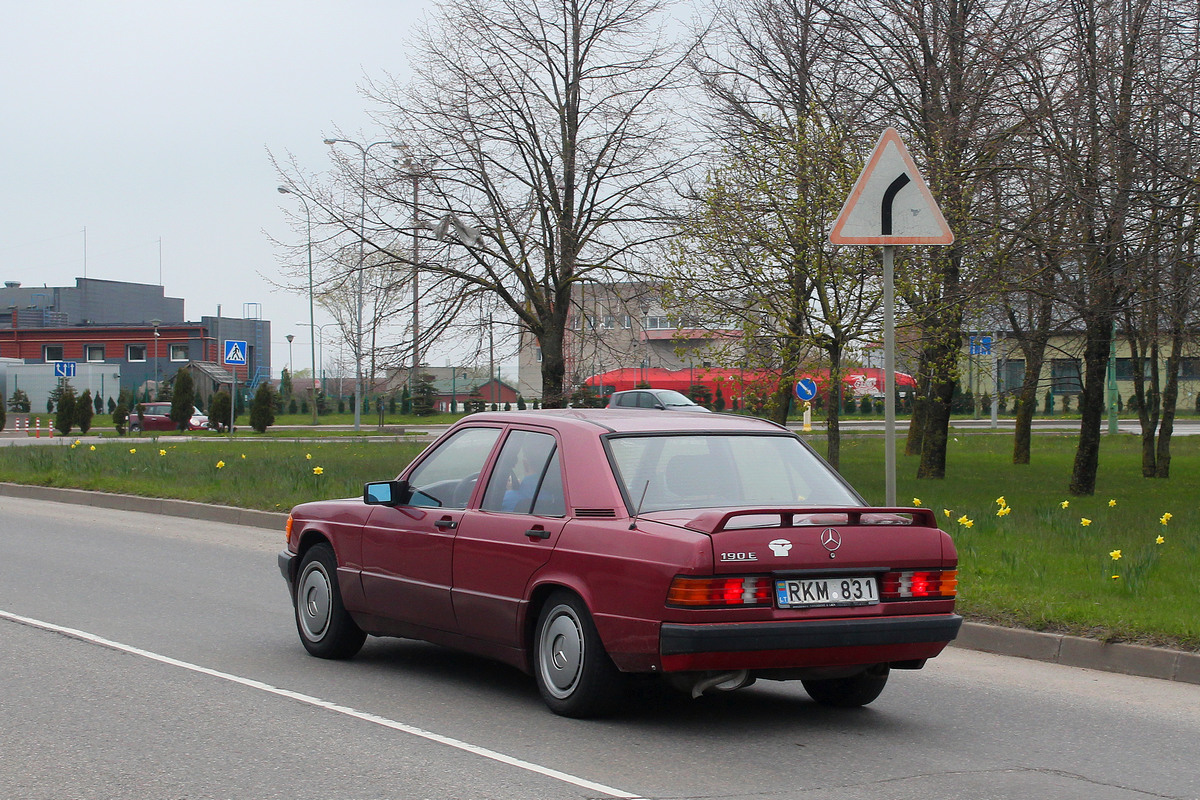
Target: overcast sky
(147, 121)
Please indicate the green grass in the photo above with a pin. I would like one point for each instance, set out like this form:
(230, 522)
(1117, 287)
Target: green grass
(1037, 567)
(262, 474)
(1040, 566)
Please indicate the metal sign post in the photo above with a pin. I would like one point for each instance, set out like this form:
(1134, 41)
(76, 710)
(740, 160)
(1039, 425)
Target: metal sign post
(890, 205)
(235, 356)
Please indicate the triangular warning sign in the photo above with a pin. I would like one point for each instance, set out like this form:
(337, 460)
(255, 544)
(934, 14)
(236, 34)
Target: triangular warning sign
(890, 203)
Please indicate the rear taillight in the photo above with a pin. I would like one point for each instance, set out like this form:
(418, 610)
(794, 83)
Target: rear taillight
(722, 592)
(918, 584)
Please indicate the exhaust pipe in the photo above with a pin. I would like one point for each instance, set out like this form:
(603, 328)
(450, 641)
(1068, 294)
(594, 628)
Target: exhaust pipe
(722, 682)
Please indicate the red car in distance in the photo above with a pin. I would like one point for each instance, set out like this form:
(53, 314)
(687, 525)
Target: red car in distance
(586, 546)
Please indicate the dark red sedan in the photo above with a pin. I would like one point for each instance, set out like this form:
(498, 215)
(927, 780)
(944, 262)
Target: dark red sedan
(585, 546)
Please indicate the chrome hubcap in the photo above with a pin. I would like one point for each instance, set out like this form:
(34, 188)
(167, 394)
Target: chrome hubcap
(313, 604)
(561, 652)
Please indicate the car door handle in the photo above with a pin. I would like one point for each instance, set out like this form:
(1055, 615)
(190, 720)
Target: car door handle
(537, 533)
(445, 524)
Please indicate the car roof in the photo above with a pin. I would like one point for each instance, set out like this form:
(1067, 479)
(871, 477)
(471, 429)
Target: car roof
(620, 420)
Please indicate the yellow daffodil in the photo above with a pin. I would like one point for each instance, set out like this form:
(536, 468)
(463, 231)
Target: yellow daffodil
(1116, 577)
(1165, 518)
(916, 501)
(73, 446)
(93, 447)
(1115, 555)
(318, 470)
(243, 455)
(965, 521)
(220, 465)
(162, 452)
(1112, 503)
(969, 523)
(1004, 512)
(1065, 503)
(133, 450)
(1084, 521)
(1160, 540)
(1000, 501)
(308, 456)
(77, 442)
(946, 511)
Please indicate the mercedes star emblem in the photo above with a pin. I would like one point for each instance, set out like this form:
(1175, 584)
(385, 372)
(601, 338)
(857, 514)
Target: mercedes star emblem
(831, 540)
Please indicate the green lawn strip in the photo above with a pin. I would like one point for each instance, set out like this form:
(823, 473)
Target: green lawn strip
(268, 475)
(1038, 566)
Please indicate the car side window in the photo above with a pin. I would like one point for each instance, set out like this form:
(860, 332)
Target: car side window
(523, 473)
(646, 400)
(446, 478)
(626, 400)
(550, 501)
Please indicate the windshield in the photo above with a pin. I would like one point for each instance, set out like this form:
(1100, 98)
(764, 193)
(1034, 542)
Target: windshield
(672, 398)
(667, 472)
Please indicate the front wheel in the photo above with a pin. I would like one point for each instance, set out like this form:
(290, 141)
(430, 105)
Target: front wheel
(852, 692)
(326, 629)
(574, 673)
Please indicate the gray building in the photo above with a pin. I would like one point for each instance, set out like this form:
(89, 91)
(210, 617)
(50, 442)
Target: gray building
(90, 302)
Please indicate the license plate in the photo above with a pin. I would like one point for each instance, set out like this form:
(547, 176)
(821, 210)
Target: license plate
(808, 592)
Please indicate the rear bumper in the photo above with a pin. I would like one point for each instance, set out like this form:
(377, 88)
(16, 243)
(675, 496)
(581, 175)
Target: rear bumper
(769, 645)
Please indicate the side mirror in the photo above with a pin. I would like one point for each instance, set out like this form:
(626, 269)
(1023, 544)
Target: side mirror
(387, 493)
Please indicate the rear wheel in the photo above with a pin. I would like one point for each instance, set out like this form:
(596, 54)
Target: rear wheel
(574, 673)
(325, 628)
(852, 692)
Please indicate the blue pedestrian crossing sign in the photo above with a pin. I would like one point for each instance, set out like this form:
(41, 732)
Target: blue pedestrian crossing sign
(235, 352)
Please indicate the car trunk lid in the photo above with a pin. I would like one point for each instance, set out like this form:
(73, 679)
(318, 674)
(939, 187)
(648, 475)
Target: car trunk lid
(802, 540)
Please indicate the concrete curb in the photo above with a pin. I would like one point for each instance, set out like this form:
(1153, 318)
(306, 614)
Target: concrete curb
(149, 505)
(1077, 651)
(1055, 648)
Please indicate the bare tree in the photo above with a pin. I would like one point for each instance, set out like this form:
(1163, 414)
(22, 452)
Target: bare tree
(755, 248)
(1114, 61)
(945, 68)
(550, 150)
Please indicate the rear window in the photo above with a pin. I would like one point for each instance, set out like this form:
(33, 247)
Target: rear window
(667, 472)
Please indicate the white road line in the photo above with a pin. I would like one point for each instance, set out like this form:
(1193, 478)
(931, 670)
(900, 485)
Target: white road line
(326, 705)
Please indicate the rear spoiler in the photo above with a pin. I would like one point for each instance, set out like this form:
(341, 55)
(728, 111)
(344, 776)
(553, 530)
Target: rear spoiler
(718, 519)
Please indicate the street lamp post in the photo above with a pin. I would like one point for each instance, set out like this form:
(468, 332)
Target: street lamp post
(362, 222)
(317, 360)
(311, 327)
(156, 323)
(289, 337)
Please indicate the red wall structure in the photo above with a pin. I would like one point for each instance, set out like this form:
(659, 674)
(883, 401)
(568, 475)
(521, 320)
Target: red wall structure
(736, 383)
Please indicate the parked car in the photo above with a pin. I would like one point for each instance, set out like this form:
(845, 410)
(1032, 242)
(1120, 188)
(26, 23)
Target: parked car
(157, 417)
(660, 399)
(584, 546)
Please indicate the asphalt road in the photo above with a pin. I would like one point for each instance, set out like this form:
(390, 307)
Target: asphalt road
(153, 657)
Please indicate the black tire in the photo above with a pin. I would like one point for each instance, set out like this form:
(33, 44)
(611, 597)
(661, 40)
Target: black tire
(325, 629)
(135, 427)
(852, 692)
(574, 674)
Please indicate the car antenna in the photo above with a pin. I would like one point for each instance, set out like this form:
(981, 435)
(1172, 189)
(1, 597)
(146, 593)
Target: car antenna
(637, 513)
